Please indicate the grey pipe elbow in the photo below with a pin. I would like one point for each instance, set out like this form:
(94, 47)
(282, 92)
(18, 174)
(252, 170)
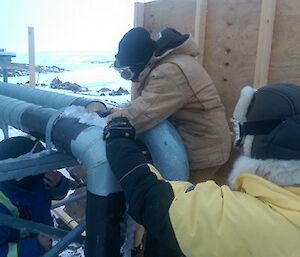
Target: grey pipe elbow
(89, 147)
(163, 141)
(167, 151)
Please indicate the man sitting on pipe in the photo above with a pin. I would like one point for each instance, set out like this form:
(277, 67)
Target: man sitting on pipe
(173, 85)
(258, 215)
(28, 198)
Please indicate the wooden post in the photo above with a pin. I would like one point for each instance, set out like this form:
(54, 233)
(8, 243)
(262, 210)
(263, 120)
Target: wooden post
(69, 221)
(200, 26)
(5, 74)
(31, 53)
(138, 22)
(264, 46)
(138, 15)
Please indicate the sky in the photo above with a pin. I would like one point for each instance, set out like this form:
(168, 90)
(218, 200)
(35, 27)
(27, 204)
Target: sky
(65, 25)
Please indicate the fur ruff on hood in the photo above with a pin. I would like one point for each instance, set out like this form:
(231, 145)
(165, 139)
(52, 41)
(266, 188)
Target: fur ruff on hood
(240, 114)
(280, 172)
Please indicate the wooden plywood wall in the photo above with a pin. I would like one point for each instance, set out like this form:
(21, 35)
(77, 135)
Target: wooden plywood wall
(285, 58)
(237, 39)
(177, 14)
(230, 46)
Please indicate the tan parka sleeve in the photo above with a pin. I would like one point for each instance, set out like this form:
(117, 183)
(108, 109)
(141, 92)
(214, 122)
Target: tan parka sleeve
(166, 91)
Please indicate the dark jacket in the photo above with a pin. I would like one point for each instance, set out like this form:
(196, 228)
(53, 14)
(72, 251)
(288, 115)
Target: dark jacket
(32, 204)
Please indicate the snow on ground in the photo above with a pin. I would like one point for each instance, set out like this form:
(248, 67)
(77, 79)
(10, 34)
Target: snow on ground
(12, 133)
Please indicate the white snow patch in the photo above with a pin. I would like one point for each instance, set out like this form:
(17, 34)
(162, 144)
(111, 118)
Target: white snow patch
(75, 251)
(84, 116)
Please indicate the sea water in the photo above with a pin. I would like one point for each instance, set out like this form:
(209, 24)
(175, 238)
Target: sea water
(88, 69)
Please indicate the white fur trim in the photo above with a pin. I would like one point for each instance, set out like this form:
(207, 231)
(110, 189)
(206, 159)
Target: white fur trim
(247, 145)
(240, 113)
(242, 165)
(243, 103)
(280, 172)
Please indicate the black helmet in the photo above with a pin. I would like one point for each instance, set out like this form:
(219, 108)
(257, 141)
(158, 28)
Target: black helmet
(135, 50)
(16, 146)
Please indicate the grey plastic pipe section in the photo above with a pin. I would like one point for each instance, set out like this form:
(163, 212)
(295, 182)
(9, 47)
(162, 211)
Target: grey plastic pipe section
(41, 97)
(165, 146)
(90, 146)
(11, 111)
(167, 151)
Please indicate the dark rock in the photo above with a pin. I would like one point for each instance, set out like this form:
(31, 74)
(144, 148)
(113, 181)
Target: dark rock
(71, 86)
(22, 69)
(104, 89)
(55, 83)
(122, 91)
(58, 84)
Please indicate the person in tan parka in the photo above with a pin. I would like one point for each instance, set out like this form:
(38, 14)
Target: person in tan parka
(258, 215)
(173, 85)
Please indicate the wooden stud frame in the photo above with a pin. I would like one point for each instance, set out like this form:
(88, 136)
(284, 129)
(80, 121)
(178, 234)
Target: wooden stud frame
(200, 27)
(264, 46)
(138, 14)
(138, 22)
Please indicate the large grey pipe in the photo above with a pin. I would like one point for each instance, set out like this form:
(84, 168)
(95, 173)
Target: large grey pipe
(46, 98)
(167, 151)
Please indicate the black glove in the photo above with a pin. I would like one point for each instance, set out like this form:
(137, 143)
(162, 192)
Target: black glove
(118, 127)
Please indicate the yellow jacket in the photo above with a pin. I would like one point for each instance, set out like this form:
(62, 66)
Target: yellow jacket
(260, 219)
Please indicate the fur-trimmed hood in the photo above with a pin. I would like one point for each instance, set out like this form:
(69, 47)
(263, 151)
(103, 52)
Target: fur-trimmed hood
(267, 122)
(280, 172)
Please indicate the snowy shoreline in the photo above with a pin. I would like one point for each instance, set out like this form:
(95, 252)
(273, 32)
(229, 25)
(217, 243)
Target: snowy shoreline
(22, 69)
(90, 69)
